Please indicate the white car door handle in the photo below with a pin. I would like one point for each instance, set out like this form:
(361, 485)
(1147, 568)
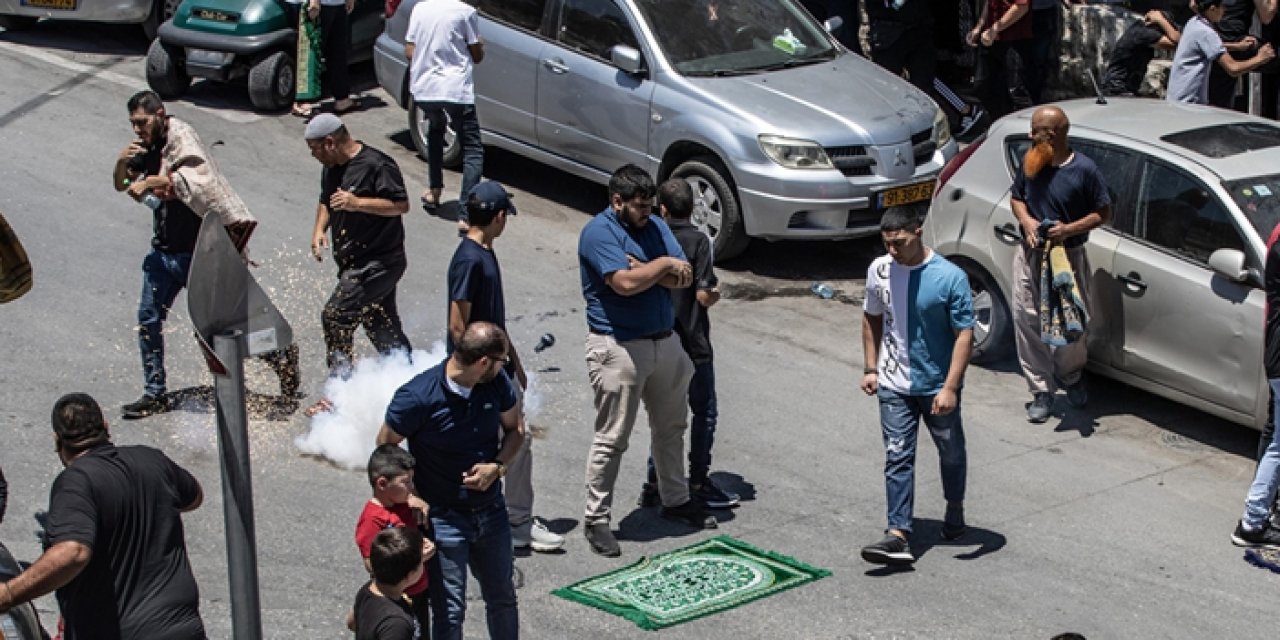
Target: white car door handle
(1133, 280)
(1008, 233)
(555, 65)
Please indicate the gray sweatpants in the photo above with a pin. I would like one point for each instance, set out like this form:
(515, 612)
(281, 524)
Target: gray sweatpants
(1043, 366)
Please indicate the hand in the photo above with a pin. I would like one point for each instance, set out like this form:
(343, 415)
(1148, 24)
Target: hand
(988, 37)
(1058, 232)
(343, 199)
(1031, 233)
(480, 476)
(1249, 42)
(972, 38)
(944, 402)
(313, 9)
(135, 148)
(428, 549)
(682, 270)
(1153, 17)
(421, 510)
(1267, 52)
(870, 383)
(351, 5)
(319, 242)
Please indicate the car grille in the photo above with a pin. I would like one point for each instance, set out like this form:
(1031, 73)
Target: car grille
(851, 160)
(923, 146)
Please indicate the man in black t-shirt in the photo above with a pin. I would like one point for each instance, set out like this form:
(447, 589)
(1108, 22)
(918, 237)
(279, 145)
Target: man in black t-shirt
(475, 294)
(1059, 196)
(117, 555)
(362, 199)
(1134, 51)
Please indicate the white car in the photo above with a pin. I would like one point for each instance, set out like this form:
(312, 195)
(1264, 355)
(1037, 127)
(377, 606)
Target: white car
(1177, 301)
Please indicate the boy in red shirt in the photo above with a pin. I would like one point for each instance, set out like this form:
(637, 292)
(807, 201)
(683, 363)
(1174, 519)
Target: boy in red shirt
(394, 505)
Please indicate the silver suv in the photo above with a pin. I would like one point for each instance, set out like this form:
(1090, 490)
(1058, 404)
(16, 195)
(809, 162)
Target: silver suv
(782, 133)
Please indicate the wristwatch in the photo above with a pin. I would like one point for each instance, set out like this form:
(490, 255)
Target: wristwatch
(502, 468)
(870, 370)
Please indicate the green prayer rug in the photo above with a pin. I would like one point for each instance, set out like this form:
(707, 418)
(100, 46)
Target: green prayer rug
(682, 585)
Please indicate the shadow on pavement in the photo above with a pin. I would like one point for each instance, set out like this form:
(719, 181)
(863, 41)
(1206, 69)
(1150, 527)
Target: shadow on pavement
(645, 525)
(258, 406)
(817, 260)
(82, 37)
(734, 483)
(977, 541)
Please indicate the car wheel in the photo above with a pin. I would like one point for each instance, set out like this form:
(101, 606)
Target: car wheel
(452, 158)
(17, 23)
(161, 10)
(272, 84)
(715, 205)
(165, 74)
(993, 322)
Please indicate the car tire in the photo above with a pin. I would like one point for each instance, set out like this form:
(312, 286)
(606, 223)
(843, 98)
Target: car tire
(161, 10)
(716, 210)
(452, 158)
(272, 83)
(18, 23)
(993, 321)
(165, 73)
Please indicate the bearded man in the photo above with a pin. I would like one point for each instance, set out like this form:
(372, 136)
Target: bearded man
(1059, 196)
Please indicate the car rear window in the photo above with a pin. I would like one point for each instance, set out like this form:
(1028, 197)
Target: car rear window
(1225, 140)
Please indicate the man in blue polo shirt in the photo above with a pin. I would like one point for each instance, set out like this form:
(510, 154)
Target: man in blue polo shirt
(917, 333)
(628, 259)
(451, 415)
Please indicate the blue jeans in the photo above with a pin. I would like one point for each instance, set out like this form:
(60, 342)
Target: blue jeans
(480, 540)
(1262, 493)
(466, 125)
(702, 429)
(163, 276)
(900, 416)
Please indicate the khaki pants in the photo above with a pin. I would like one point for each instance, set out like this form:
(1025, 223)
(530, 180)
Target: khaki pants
(517, 486)
(1043, 366)
(623, 374)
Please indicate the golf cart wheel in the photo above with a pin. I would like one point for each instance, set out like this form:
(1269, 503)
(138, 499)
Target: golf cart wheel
(452, 158)
(272, 83)
(715, 205)
(165, 73)
(161, 10)
(993, 321)
(17, 23)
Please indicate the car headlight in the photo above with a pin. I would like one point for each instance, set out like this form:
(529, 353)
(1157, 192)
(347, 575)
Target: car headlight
(941, 129)
(794, 153)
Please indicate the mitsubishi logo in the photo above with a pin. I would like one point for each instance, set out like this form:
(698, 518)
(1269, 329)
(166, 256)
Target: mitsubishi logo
(898, 160)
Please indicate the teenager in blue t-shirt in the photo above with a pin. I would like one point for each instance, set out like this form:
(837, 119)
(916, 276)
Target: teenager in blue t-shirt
(475, 294)
(917, 333)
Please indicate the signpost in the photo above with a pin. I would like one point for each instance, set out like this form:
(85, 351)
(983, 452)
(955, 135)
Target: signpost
(233, 318)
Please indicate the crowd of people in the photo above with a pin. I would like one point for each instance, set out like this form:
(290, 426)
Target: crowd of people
(451, 474)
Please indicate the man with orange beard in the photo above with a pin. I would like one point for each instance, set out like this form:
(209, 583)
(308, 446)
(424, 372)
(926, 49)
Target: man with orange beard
(1058, 196)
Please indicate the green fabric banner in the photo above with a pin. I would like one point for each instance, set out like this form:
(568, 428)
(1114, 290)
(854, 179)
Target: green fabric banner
(309, 63)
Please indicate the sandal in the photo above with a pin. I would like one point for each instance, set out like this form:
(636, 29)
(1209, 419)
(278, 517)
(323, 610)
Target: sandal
(303, 109)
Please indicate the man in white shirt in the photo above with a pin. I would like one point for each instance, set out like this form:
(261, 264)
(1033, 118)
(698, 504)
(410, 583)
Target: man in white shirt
(443, 45)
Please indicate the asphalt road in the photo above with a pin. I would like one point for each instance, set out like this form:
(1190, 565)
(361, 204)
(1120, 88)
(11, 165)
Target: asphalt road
(1112, 522)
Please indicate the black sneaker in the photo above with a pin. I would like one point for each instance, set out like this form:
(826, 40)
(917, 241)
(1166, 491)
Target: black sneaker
(601, 540)
(953, 524)
(690, 513)
(713, 497)
(145, 406)
(1040, 408)
(1077, 394)
(649, 496)
(1265, 537)
(891, 550)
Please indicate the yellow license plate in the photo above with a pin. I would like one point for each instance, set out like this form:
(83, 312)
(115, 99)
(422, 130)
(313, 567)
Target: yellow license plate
(906, 195)
(60, 5)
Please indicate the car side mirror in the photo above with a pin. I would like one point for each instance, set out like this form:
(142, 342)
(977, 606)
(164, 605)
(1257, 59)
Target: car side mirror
(833, 23)
(626, 58)
(1229, 263)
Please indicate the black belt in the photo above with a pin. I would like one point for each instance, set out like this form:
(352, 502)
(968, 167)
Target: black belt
(661, 335)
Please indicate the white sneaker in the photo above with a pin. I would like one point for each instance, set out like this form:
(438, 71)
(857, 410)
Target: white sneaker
(533, 534)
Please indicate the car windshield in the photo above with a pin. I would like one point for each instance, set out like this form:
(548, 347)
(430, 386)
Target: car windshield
(735, 37)
(1259, 199)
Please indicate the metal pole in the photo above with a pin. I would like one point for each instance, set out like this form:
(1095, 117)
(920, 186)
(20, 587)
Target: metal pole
(237, 490)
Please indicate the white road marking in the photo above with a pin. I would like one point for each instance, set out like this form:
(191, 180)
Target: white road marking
(231, 115)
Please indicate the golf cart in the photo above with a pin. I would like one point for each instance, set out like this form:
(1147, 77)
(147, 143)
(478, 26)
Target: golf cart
(224, 40)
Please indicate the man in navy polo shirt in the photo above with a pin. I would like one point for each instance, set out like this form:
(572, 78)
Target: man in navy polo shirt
(451, 415)
(628, 259)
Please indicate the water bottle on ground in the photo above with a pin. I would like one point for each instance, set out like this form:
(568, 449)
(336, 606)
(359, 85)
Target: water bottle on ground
(823, 290)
